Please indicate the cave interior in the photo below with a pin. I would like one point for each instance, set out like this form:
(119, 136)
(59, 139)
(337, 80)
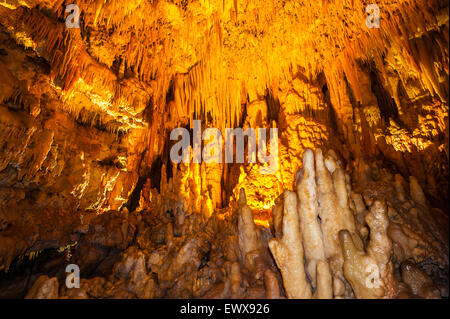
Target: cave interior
(352, 203)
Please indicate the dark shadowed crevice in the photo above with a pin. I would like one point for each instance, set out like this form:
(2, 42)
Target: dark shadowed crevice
(387, 105)
(273, 107)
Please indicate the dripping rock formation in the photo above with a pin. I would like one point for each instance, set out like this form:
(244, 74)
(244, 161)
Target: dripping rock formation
(357, 206)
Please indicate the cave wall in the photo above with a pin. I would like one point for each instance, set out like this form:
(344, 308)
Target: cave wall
(85, 113)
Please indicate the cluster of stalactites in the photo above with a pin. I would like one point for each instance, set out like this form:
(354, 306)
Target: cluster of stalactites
(212, 67)
(405, 30)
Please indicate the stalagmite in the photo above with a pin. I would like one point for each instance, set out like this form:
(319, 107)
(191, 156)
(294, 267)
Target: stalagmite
(358, 267)
(308, 211)
(335, 216)
(380, 244)
(331, 161)
(288, 252)
(370, 273)
(331, 221)
(324, 289)
(341, 189)
(248, 238)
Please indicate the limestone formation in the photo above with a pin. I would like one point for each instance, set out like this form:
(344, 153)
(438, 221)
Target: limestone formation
(288, 251)
(357, 203)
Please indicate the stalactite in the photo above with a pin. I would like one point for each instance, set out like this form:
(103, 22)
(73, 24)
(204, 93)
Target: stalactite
(137, 69)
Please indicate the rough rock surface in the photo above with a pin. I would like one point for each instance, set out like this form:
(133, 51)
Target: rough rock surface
(85, 169)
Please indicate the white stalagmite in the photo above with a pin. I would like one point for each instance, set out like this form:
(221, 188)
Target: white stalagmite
(331, 223)
(380, 244)
(348, 220)
(335, 215)
(288, 252)
(324, 288)
(370, 273)
(331, 161)
(308, 211)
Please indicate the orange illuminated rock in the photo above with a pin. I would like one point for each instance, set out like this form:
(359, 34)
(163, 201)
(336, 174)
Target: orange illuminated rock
(362, 166)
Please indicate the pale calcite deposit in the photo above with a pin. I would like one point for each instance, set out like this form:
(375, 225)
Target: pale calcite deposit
(288, 251)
